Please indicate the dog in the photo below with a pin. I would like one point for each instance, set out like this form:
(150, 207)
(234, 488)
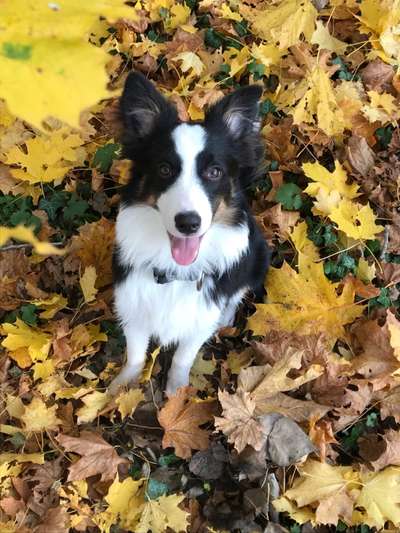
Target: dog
(187, 248)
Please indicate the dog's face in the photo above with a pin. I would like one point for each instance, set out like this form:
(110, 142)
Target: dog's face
(189, 173)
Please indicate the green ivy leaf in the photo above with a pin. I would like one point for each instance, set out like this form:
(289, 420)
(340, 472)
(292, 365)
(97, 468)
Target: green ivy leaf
(105, 155)
(289, 195)
(28, 314)
(212, 39)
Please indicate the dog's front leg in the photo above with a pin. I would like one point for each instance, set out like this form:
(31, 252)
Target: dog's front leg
(182, 362)
(137, 341)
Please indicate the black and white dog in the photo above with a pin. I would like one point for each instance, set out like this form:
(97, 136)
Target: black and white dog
(187, 248)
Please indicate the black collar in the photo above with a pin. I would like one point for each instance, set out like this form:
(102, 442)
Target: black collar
(161, 277)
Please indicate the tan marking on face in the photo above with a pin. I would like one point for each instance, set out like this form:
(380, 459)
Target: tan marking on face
(225, 214)
(151, 200)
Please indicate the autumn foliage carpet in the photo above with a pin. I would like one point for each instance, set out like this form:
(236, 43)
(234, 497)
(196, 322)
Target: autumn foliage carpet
(292, 419)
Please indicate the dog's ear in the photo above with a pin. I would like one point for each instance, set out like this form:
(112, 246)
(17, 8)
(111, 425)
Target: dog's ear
(141, 106)
(239, 111)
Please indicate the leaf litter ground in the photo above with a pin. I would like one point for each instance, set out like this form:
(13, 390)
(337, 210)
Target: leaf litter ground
(292, 419)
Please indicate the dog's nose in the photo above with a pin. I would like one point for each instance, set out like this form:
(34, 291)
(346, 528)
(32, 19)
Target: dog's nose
(187, 222)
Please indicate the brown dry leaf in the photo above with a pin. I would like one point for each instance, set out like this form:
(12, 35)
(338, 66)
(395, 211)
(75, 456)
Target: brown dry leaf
(282, 222)
(97, 456)
(56, 520)
(373, 340)
(322, 436)
(92, 247)
(11, 506)
(391, 453)
(360, 155)
(181, 417)
(335, 507)
(238, 420)
(377, 75)
(298, 410)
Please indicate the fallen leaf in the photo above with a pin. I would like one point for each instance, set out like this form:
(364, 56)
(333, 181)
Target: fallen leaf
(180, 418)
(239, 422)
(94, 402)
(97, 456)
(380, 498)
(283, 23)
(164, 512)
(128, 401)
(21, 233)
(38, 417)
(87, 283)
(305, 302)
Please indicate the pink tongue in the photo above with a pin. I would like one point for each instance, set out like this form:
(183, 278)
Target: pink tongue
(184, 249)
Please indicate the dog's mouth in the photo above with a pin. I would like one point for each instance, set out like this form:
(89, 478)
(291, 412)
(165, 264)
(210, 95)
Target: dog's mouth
(185, 249)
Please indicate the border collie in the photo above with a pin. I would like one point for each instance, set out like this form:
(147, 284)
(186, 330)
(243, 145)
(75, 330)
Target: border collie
(187, 248)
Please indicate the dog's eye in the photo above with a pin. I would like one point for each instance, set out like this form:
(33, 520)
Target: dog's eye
(165, 170)
(213, 173)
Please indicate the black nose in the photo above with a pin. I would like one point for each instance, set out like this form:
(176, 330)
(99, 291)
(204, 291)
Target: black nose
(188, 222)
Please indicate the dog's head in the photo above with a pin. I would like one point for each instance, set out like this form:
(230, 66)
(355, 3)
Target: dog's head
(190, 172)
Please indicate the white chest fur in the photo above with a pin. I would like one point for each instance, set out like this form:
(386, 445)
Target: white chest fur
(174, 311)
(169, 312)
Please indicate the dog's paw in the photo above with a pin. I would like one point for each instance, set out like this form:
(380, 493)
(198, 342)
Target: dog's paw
(126, 378)
(173, 385)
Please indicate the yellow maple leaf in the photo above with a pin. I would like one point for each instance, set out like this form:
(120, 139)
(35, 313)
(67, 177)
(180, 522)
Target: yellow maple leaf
(21, 233)
(381, 19)
(349, 96)
(128, 401)
(36, 458)
(284, 23)
(305, 302)
(47, 158)
(44, 369)
(190, 62)
(302, 243)
(329, 188)
(365, 272)
(154, 7)
(301, 515)
(87, 282)
(35, 342)
(125, 503)
(380, 498)
(164, 512)
(355, 220)
(50, 305)
(179, 15)
(226, 13)
(266, 54)
(199, 368)
(94, 402)
(38, 417)
(382, 108)
(325, 41)
(14, 406)
(277, 378)
(44, 48)
(148, 369)
(237, 60)
(319, 105)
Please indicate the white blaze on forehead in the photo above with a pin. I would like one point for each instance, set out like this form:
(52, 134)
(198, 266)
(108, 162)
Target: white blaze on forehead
(187, 193)
(189, 141)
